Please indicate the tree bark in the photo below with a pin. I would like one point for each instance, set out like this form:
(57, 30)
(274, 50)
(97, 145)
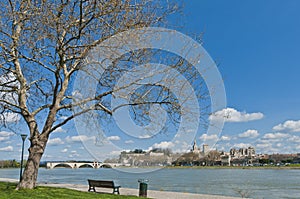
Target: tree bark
(29, 176)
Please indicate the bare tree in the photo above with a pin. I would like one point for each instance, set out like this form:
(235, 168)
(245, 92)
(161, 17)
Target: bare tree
(42, 46)
(212, 157)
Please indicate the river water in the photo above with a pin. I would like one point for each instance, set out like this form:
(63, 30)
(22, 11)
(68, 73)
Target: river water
(256, 183)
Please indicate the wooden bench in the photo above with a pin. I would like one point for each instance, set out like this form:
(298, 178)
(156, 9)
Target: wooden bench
(104, 184)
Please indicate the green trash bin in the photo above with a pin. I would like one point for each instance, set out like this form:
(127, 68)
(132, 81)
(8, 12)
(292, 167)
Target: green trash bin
(143, 188)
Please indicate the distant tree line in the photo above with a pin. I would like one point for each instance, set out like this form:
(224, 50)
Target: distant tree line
(9, 164)
(212, 158)
(138, 151)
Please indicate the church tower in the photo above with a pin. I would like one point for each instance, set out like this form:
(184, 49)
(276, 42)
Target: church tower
(195, 148)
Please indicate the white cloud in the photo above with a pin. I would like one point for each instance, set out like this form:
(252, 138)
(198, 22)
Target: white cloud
(288, 126)
(279, 145)
(10, 117)
(249, 134)
(7, 149)
(129, 142)
(206, 137)
(77, 94)
(115, 153)
(232, 115)
(162, 145)
(6, 134)
(144, 136)
(113, 138)
(74, 155)
(263, 141)
(7, 81)
(225, 138)
(263, 145)
(241, 145)
(269, 148)
(63, 118)
(55, 141)
(294, 139)
(275, 135)
(64, 150)
(79, 138)
(3, 138)
(59, 130)
(46, 156)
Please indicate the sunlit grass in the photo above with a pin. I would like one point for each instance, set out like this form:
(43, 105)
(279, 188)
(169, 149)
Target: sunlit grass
(8, 191)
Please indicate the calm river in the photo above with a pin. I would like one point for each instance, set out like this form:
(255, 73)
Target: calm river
(258, 183)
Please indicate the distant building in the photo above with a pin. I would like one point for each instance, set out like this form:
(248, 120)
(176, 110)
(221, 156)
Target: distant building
(242, 156)
(250, 151)
(242, 152)
(196, 157)
(205, 149)
(225, 159)
(195, 148)
(155, 157)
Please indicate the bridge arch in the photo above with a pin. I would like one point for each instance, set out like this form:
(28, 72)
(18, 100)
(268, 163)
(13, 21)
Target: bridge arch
(86, 165)
(64, 164)
(105, 166)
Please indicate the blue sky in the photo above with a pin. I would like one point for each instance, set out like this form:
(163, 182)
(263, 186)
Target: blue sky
(256, 45)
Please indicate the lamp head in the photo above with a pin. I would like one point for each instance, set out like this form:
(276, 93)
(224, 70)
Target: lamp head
(23, 136)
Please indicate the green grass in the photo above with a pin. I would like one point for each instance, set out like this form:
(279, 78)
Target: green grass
(8, 191)
(294, 165)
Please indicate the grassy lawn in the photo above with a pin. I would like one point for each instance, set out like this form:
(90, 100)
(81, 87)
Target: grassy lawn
(8, 191)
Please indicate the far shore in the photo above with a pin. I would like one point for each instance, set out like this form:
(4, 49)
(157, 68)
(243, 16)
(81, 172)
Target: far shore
(233, 167)
(197, 167)
(213, 167)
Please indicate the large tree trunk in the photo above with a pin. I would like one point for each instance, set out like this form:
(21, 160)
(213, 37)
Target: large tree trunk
(30, 173)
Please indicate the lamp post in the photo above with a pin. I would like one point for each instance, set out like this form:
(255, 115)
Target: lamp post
(23, 136)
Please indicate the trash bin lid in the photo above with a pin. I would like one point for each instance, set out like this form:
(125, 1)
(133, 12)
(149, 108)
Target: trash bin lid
(143, 180)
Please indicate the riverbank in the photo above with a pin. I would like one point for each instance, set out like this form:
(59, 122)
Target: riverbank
(134, 192)
(233, 167)
(296, 166)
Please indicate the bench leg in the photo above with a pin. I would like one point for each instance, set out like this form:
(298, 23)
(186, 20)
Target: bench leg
(92, 189)
(116, 190)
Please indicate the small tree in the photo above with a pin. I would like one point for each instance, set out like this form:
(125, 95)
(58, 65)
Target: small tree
(212, 157)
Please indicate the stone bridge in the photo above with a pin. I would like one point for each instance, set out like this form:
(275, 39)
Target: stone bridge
(76, 165)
